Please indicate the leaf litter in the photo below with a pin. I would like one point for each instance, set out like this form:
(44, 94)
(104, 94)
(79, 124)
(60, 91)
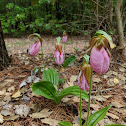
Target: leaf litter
(17, 100)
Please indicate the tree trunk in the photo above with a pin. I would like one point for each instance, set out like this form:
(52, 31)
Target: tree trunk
(4, 58)
(119, 23)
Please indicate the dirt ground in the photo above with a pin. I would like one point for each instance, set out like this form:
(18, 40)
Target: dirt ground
(20, 107)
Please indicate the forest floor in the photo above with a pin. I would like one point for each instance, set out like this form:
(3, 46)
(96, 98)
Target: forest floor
(20, 107)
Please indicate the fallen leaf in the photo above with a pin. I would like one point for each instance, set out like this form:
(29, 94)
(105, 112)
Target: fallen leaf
(65, 99)
(68, 84)
(51, 122)
(73, 78)
(12, 117)
(106, 96)
(99, 98)
(122, 110)
(114, 73)
(121, 77)
(110, 82)
(96, 107)
(6, 113)
(76, 99)
(43, 114)
(100, 123)
(22, 110)
(23, 83)
(17, 94)
(1, 118)
(6, 82)
(117, 104)
(12, 88)
(96, 79)
(3, 92)
(112, 115)
(116, 81)
(122, 69)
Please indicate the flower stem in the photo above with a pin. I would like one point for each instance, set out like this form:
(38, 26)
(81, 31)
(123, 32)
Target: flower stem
(80, 107)
(89, 101)
(43, 58)
(59, 77)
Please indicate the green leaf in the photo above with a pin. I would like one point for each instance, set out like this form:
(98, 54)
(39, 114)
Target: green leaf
(64, 123)
(51, 75)
(68, 61)
(44, 88)
(74, 90)
(62, 80)
(97, 116)
(86, 57)
(108, 37)
(58, 39)
(114, 125)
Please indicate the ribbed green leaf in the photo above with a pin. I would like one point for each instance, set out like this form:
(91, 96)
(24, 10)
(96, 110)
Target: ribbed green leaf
(97, 116)
(51, 75)
(74, 90)
(115, 125)
(44, 88)
(64, 123)
(68, 61)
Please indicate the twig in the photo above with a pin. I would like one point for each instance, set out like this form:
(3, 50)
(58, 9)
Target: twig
(109, 89)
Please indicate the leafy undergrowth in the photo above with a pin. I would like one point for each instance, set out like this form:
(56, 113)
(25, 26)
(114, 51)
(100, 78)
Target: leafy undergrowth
(19, 106)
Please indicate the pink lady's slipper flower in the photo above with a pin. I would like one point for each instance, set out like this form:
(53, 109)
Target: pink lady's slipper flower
(99, 60)
(84, 77)
(59, 54)
(64, 39)
(35, 48)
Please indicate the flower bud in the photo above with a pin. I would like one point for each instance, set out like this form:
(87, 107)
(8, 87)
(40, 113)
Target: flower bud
(64, 39)
(84, 77)
(35, 48)
(99, 60)
(59, 54)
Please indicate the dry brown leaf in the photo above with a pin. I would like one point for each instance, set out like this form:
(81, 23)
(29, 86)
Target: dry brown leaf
(117, 104)
(76, 99)
(1, 118)
(3, 92)
(12, 117)
(122, 69)
(112, 116)
(6, 113)
(6, 82)
(51, 122)
(99, 98)
(65, 99)
(68, 84)
(110, 82)
(73, 78)
(100, 123)
(84, 115)
(22, 110)
(17, 94)
(122, 110)
(96, 79)
(96, 107)
(120, 76)
(43, 114)
(106, 96)
(116, 81)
